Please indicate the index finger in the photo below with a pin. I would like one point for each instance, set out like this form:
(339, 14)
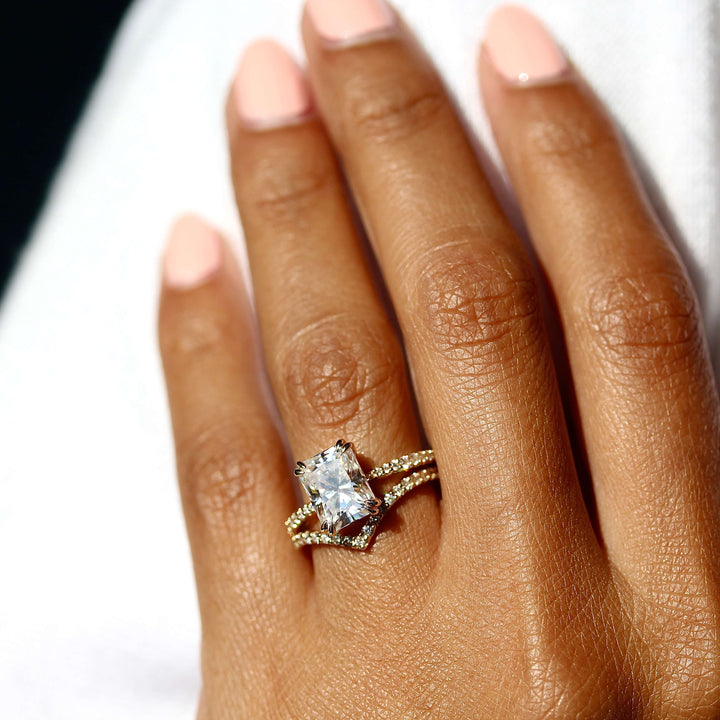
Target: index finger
(639, 360)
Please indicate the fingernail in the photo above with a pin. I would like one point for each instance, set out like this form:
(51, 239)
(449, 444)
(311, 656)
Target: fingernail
(193, 253)
(270, 88)
(521, 48)
(350, 21)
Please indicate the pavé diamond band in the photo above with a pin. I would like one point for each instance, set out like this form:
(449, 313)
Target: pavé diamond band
(340, 494)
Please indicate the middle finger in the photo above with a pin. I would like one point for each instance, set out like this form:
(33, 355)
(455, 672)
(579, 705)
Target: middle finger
(463, 289)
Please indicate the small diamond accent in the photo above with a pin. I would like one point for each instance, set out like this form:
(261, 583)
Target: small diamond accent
(337, 488)
(402, 464)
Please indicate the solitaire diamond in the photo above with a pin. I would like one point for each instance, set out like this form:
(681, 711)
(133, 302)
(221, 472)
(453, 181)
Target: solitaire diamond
(337, 487)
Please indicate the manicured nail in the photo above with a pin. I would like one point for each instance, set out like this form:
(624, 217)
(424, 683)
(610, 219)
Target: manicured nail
(193, 253)
(350, 21)
(521, 48)
(270, 88)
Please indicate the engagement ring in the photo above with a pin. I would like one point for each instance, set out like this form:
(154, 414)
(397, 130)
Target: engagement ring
(340, 494)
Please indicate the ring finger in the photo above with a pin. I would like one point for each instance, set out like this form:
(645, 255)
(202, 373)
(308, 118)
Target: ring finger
(334, 360)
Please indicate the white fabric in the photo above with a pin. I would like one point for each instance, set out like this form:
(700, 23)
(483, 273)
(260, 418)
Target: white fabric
(97, 606)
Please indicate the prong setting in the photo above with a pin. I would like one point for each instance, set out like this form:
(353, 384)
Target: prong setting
(374, 506)
(336, 486)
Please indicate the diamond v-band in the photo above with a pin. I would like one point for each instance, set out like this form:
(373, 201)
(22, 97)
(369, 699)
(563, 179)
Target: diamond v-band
(340, 494)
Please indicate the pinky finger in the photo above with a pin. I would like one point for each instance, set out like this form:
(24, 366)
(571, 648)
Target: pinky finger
(231, 460)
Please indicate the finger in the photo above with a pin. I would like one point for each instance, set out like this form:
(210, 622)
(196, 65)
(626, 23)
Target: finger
(463, 290)
(641, 372)
(335, 363)
(231, 461)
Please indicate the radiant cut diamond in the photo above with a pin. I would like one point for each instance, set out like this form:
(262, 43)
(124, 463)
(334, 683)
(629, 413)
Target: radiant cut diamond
(337, 487)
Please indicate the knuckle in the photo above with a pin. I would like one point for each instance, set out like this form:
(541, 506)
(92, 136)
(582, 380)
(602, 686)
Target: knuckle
(196, 332)
(575, 669)
(588, 684)
(693, 681)
(573, 138)
(690, 652)
(284, 190)
(647, 318)
(397, 109)
(479, 308)
(220, 468)
(335, 375)
(574, 700)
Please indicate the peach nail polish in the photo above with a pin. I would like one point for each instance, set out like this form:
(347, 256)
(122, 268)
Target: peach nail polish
(521, 48)
(350, 21)
(193, 253)
(270, 88)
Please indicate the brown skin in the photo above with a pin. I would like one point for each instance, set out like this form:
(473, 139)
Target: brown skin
(500, 600)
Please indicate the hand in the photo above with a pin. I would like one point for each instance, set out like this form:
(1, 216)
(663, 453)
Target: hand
(570, 567)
